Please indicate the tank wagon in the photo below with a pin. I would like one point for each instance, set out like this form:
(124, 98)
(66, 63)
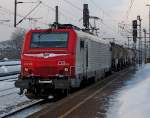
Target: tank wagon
(63, 58)
(121, 56)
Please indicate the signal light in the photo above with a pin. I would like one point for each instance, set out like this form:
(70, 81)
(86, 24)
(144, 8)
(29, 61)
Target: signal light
(134, 26)
(86, 16)
(134, 33)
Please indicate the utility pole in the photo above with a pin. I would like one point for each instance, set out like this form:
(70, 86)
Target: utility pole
(57, 14)
(144, 30)
(140, 39)
(134, 28)
(15, 14)
(128, 42)
(86, 17)
(149, 34)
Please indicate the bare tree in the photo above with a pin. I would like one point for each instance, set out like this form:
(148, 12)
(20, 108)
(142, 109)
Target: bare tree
(12, 48)
(17, 39)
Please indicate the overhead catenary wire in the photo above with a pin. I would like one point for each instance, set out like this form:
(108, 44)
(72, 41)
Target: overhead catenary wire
(76, 7)
(106, 14)
(7, 11)
(29, 13)
(130, 8)
(110, 28)
(71, 17)
(68, 2)
(80, 9)
(66, 16)
(103, 11)
(127, 13)
(24, 18)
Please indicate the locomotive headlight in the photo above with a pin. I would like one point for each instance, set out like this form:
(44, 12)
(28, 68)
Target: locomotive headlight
(26, 69)
(66, 69)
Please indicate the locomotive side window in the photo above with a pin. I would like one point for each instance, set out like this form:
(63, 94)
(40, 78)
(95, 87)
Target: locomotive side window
(49, 40)
(81, 44)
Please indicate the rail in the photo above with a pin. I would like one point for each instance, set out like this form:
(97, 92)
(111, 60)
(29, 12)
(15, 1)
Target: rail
(18, 109)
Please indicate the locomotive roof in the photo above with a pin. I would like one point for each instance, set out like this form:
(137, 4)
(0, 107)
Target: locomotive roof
(85, 36)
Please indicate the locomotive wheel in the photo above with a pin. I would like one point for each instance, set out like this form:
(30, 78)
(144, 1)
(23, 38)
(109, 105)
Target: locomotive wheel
(84, 83)
(32, 96)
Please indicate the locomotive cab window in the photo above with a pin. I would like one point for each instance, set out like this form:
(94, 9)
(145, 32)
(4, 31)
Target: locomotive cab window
(49, 40)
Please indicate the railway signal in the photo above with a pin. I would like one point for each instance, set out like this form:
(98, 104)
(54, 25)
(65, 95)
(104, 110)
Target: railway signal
(134, 24)
(86, 16)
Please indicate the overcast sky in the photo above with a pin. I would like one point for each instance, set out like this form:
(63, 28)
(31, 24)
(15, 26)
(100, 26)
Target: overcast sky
(112, 12)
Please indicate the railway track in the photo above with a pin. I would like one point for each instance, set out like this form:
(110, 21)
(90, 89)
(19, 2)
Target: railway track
(19, 108)
(9, 77)
(15, 91)
(7, 112)
(9, 89)
(8, 74)
(66, 106)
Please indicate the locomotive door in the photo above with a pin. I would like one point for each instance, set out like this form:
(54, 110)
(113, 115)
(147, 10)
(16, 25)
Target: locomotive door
(84, 57)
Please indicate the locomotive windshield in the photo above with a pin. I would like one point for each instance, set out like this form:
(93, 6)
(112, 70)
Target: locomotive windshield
(49, 40)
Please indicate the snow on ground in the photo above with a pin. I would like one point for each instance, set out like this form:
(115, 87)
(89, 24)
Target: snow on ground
(9, 78)
(133, 100)
(10, 102)
(9, 95)
(9, 67)
(5, 63)
(9, 70)
(5, 85)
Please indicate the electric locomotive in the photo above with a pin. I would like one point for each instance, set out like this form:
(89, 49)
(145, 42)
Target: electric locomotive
(58, 59)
